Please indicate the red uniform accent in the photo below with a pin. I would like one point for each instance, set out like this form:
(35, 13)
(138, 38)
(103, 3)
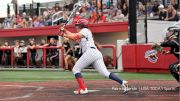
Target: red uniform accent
(81, 83)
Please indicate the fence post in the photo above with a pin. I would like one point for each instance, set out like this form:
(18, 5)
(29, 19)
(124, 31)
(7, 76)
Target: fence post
(44, 57)
(62, 56)
(12, 57)
(28, 58)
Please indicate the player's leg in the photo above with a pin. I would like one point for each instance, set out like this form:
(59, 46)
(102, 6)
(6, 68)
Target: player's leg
(101, 68)
(85, 60)
(172, 68)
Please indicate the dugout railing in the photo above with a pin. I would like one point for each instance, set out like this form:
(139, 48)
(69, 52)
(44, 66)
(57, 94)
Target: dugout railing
(61, 57)
(44, 49)
(28, 58)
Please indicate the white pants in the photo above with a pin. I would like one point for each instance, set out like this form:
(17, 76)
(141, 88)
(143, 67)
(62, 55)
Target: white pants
(91, 56)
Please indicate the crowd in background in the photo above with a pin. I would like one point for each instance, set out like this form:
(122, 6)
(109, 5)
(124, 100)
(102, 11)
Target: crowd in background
(159, 11)
(94, 13)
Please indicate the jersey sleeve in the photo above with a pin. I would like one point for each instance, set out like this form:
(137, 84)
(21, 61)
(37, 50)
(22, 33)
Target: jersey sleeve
(84, 32)
(168, 44)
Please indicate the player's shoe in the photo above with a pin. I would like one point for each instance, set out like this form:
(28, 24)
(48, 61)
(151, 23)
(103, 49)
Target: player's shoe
(125, 87)
(81, 91)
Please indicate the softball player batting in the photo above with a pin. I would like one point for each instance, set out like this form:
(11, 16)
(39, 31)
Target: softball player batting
(91, 55)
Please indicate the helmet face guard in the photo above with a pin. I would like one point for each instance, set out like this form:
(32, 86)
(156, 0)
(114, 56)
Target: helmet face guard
(172, 32)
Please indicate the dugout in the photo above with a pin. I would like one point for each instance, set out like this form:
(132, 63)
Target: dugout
(104, 33)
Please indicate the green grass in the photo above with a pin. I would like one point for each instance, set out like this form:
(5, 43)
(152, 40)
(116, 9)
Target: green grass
(47, 75)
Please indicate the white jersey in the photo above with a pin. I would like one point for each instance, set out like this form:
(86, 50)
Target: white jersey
(87, 41)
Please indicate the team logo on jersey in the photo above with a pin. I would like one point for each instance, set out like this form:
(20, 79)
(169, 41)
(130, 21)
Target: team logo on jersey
(151, 55)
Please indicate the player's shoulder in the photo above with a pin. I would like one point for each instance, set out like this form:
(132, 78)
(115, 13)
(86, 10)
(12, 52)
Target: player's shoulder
(85, 30)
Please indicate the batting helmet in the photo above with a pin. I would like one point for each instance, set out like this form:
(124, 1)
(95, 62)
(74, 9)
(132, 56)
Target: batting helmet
(172, 32)
(82, 23)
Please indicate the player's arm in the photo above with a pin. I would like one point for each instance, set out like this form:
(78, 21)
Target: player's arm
(72, 36)
(168, 44)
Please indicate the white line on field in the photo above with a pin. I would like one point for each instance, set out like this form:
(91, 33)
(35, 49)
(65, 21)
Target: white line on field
(38, 88)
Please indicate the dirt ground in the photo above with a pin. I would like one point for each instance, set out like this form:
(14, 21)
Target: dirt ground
(99, 90)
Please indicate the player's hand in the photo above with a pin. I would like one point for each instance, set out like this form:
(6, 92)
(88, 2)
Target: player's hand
(62, 31)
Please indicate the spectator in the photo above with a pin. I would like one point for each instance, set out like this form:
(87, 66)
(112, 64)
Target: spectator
(18, 22)
(30, 23)
(16, 47)
(119, 16)
(33, 51)
(89, 8)
(125, 10)
(68, 55)
(85, 3)
(16, 50)
(76, 18)
(57, 7)
(52, 53)
(155, 8)
(22, 53)
(149, 8)
(113, 17)
(83, 13)
(162, 12)
(65, 17)
(7, 22)
(172, 14)
(38, 22)
(175, 5)
(43, 42)
(24, 23)
(14, 24)
(47, 16)
(6, 56)
(97, 3)
(93, 17)
(105, 8)
(119, 4)
(101, 17)
(24, 16)
(70, 6)
(141, 9)
(111, 12)
(77, 52)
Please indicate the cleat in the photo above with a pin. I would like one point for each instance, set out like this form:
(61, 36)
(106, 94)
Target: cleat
(81, 91)
(125, 87)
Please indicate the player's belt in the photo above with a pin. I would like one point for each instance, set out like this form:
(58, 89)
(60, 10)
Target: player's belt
(93, 47)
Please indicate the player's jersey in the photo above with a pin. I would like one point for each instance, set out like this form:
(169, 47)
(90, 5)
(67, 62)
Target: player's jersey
(88, 41)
